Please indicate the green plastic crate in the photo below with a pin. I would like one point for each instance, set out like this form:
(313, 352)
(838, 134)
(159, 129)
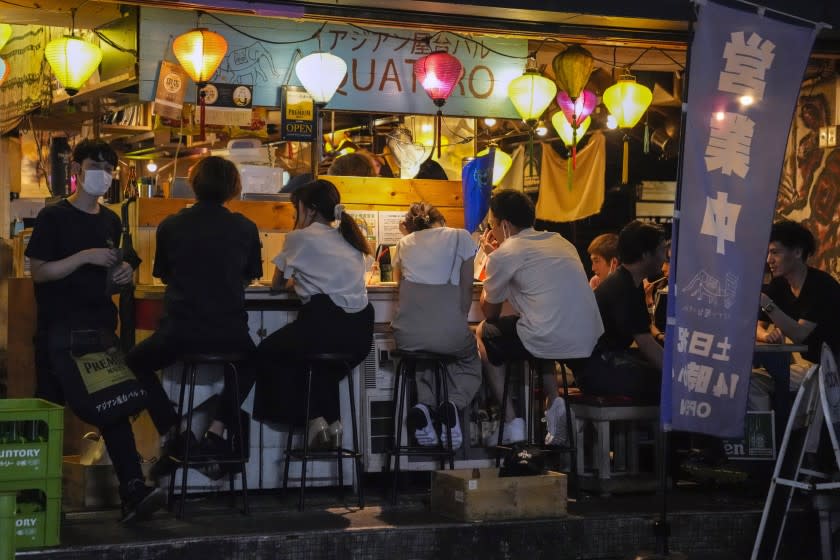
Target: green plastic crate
(36, 524)
(31, 439)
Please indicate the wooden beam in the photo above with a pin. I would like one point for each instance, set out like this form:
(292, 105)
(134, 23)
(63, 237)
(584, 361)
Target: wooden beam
(357, 193)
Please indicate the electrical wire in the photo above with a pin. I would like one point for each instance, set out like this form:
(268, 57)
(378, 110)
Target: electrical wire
(112, 44)
(315, 35)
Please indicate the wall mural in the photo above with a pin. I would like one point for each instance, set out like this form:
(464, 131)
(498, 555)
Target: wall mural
(810, 187)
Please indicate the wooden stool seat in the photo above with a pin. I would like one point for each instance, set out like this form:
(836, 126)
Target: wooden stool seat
(617, 423)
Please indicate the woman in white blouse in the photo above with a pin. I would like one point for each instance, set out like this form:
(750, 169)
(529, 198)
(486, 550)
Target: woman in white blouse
(434, 267)
(325, 266)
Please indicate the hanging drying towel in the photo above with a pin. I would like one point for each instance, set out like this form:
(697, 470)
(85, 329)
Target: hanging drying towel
(556, 203)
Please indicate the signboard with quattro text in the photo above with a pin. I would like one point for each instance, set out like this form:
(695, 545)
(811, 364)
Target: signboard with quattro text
(380, 62)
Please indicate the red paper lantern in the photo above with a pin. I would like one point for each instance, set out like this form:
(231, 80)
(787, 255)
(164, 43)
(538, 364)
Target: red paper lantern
(438, 74)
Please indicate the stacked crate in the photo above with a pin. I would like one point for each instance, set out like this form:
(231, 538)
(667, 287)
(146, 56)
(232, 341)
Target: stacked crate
(31, 433)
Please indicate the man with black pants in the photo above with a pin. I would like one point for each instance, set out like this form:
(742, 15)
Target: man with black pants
(73, 261)
(206, 255)
(615, 368)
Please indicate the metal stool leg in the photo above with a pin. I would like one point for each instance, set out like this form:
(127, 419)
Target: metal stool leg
(440, 379)
(400, 396)
(185, 467)
(570, 434)
(357, 459)
(289, 438)
(240, 430)
(502, 414)
(170, 500)
(305, 438)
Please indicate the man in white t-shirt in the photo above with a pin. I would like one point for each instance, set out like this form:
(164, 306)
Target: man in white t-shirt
(540, 274)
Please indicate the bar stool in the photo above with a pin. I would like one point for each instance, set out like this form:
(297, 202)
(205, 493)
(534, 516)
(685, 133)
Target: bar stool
(322, 362)
(236, 433)
(569, 447)
(406, 373)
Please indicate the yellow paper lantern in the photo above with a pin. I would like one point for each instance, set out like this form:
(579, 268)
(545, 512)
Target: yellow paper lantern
(501, 163)
(199, 52)
(321, 73)
(72, 61)
(627, 101)
(5, 34)
(566, 132)
(572, 68)
(531, 93)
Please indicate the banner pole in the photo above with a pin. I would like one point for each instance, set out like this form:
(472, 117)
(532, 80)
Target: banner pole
(662, 529)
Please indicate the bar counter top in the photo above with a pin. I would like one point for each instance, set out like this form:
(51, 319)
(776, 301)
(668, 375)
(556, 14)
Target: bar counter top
(387, 290)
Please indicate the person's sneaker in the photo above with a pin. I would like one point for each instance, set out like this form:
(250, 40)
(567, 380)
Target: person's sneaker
(214, 446)
(514, 431)
(171, 455)
(139, 501)
(448, 414)
(419, 421)
(555, 423)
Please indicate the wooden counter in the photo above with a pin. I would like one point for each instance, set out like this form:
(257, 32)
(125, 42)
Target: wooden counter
(357, 193)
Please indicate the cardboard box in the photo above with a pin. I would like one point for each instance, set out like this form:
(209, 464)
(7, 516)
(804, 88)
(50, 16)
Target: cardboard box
(89, 486)
(458, 495)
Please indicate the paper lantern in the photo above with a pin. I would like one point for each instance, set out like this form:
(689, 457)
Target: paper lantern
(5, 34)
(321, 73)
(501, 163)
(438, 74)
(571, 136)
(576, 110)
(572, 68)
(4, 71)
(566, 132)
(72, 61)
(531, 94)
(627, 101)
(200, 52)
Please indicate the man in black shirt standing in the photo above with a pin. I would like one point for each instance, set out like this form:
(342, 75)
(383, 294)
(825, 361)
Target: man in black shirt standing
(74, 260)
(615, 368)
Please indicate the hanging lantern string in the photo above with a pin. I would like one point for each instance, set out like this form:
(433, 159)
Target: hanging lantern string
(433, 36)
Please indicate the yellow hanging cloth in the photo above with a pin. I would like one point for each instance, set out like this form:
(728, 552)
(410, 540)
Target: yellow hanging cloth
(556, 202)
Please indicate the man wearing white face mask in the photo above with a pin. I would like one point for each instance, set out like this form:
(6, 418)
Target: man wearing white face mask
(540, 274)
(74, 263)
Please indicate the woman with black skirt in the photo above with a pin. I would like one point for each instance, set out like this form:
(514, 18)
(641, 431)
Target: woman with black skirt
(325, 266)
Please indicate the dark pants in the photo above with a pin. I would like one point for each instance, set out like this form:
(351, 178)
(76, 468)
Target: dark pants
(163, 348)
(321, 327)
(51, 357)
(620, 373)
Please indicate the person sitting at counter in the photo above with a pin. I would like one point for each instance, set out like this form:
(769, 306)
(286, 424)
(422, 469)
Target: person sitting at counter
(325, 266)
(615, 368)
(206, 255)
(603, 253)
(433, 265)
(73, 260)
(540, 274)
